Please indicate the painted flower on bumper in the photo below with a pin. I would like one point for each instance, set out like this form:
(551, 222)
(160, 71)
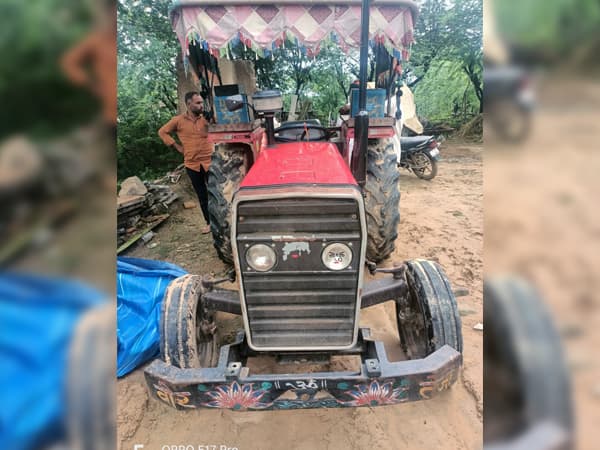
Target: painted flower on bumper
(237, 397)
(375, 394)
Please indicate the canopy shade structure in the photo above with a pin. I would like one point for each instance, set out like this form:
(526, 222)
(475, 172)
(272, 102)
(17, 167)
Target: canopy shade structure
(264, 25)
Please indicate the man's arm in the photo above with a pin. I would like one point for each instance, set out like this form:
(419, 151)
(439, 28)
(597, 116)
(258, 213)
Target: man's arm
(165, 134)
(74, 61)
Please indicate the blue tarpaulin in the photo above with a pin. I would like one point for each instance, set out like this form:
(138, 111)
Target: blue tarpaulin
(141, 284)
(38, 316)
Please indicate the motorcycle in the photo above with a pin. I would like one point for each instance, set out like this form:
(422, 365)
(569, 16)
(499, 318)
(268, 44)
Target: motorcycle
(420, 155)
(509, 100)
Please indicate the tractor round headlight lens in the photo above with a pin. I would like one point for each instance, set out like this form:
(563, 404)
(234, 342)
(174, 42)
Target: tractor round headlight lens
(261, 257)
(337, 256)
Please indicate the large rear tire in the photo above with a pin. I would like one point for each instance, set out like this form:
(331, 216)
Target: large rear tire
(429, 318)
(228, 168)
(187, 327)
(382, 199)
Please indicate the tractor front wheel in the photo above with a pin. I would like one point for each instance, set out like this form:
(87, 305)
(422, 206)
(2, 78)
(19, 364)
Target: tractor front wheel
(228, 168)
(428, 318)
(527, 378)
(187, 327)
(382, 199)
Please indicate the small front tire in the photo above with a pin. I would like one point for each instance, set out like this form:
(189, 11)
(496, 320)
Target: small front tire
(527, 378)
(428, 317)
(187, 327)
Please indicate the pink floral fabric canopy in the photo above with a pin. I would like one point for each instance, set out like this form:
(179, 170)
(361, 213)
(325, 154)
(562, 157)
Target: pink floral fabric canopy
(263, 27)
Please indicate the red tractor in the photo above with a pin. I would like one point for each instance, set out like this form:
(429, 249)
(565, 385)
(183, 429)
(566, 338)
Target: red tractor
(300, 217)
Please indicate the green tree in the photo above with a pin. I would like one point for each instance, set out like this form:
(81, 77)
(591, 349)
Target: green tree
(147, 90)
(551, 30)
(449, 35)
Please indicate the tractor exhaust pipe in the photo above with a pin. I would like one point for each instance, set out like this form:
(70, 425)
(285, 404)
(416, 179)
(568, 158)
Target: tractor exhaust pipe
(358, 164)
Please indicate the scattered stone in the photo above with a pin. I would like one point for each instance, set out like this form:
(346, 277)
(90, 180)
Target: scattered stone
(132, 186)
(189, 205)
(460, 291)
(478, 327)
(20, 163)
(147, 237)
(571, 330)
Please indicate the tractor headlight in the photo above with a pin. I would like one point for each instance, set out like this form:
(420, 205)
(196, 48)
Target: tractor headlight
(336, 256)
(261, 257)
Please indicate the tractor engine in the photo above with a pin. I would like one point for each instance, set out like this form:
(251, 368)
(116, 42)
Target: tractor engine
(299, 240)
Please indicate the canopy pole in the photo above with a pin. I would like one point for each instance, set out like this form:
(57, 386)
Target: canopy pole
(358, 163)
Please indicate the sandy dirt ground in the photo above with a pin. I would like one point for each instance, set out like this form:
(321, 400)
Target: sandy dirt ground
(542, 222)
(440, 220)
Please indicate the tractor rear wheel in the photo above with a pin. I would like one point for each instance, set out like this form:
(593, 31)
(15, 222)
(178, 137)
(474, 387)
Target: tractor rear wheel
(228, 168)
(187, 327)
(382, 199)
(428, 319)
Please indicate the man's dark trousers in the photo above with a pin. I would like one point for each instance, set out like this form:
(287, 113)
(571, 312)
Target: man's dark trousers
(199, 180)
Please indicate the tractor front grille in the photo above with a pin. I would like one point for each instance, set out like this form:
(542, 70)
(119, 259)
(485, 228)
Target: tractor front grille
(300, 304)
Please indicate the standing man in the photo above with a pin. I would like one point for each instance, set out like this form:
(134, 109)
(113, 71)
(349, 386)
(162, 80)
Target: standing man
(192, 130)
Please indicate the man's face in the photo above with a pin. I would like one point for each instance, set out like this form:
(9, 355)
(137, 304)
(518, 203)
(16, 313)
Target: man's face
(196, 104)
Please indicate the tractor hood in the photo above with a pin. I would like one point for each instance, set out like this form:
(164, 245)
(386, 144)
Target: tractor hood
(299, 163)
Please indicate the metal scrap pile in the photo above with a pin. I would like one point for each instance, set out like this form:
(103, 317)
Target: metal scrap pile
(141, 206)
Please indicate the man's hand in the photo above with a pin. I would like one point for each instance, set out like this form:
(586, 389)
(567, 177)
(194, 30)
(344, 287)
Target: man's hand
(178, 147)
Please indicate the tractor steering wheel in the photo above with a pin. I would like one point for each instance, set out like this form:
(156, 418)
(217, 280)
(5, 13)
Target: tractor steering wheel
(291, 132)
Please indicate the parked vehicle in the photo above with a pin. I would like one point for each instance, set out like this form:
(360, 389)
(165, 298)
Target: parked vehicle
(509, 101)
(420, 155)
(300, 216)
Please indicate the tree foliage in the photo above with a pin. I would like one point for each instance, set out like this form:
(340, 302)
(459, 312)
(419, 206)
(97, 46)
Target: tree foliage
(449, 35)
(147, 94)
(550, 30)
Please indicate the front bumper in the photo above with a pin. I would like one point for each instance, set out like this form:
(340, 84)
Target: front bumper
(231, 386)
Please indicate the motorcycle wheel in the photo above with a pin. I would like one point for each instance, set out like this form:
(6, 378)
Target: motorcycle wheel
(426, 166)
(510, 121)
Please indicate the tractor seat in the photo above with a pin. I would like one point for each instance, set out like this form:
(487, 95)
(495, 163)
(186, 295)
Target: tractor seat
(414, 141)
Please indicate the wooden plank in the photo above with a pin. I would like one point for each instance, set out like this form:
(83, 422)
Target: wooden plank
(128, 200)
(137, 236)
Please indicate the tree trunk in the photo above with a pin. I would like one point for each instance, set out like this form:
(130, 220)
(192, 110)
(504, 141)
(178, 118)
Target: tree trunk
(476, 82)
